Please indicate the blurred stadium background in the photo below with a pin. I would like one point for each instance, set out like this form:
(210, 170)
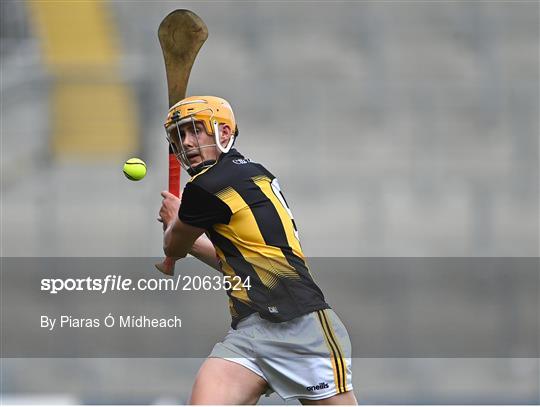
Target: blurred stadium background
(396, 129)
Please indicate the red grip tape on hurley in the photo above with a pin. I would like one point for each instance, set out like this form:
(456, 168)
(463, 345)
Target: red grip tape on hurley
(174, 175)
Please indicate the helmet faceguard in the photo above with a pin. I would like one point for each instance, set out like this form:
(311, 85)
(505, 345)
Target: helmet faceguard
(211, 112)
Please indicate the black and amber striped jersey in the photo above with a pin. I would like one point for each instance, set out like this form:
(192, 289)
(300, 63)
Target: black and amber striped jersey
(248, 220)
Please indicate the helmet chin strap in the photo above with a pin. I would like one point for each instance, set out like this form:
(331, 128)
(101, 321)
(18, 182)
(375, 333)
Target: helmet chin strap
(218, 143)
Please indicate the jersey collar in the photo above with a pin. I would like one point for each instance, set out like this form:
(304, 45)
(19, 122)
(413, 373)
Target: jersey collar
(205, 164)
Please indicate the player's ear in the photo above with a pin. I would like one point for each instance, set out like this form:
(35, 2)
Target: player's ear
(226, 134)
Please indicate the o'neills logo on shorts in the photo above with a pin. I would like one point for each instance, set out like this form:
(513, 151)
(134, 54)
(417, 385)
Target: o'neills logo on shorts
(320, 386)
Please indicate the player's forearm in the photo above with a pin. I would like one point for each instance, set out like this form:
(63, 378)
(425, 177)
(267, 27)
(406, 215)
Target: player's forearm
(204, 250)
(171, 246)
(178, 238)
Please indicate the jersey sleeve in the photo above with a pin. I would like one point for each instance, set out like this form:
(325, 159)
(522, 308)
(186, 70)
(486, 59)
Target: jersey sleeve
(202, 209)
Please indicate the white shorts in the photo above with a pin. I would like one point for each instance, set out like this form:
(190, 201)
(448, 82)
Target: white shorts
(308, 357)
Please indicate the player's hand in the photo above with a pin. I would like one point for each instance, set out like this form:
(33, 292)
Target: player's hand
(169, 209)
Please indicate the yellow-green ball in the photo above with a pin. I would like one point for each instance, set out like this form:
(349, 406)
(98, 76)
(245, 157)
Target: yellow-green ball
(134, 169)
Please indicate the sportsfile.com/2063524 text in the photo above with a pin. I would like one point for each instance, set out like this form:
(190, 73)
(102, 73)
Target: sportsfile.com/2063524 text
(113, 283)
